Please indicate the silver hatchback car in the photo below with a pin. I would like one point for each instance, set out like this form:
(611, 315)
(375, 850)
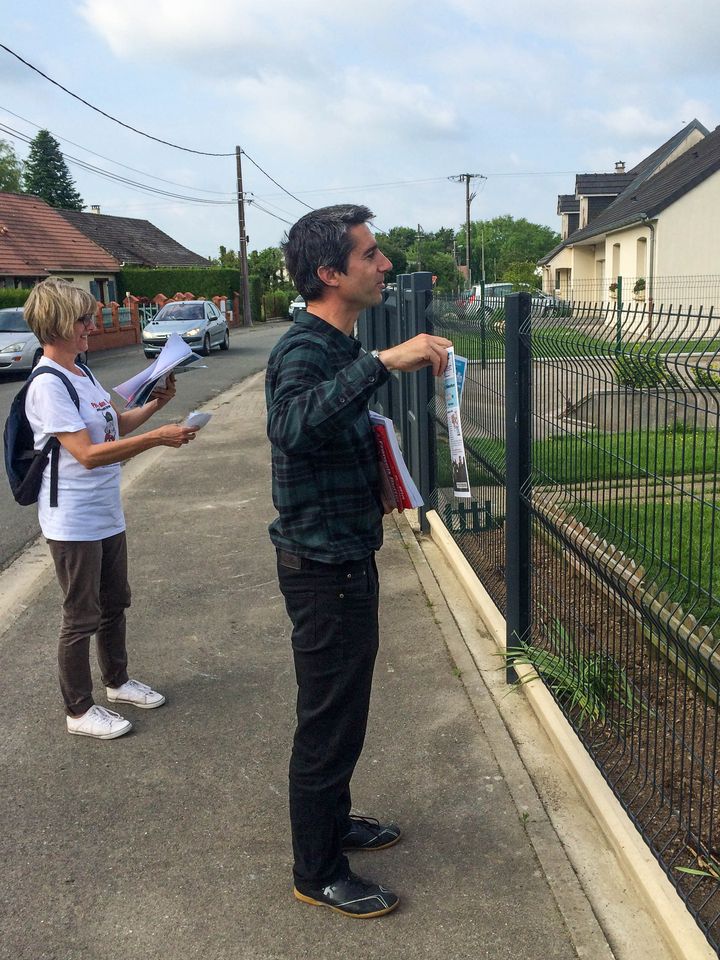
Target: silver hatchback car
(20, 349)
(199, 323)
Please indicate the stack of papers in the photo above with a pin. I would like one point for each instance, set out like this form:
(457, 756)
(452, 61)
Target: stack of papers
(175, 355)
(398, 486)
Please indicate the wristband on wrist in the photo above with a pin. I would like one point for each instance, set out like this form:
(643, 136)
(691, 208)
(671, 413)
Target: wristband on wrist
(376, 354)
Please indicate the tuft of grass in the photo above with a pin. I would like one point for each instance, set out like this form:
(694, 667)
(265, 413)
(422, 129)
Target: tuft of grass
(586, 683)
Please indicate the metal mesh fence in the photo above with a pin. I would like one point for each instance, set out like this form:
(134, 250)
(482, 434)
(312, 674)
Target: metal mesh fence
(625, 565)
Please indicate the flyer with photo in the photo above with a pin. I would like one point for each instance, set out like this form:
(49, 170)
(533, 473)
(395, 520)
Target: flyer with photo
(460, 477)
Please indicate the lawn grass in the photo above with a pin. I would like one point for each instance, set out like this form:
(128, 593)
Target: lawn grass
(582, 458)
(675, 542)
(562, 341)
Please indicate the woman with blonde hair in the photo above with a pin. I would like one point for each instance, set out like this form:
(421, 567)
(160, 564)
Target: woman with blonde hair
(82, 519)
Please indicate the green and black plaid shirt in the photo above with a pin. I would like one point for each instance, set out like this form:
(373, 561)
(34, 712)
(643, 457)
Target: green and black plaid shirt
(324, 462)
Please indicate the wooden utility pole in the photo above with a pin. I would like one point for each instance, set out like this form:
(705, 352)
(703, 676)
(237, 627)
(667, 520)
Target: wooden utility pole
(244, 276)
(469, 197)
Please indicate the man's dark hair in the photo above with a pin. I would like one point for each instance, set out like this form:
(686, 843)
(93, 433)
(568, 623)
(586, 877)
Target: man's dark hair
(321, 239)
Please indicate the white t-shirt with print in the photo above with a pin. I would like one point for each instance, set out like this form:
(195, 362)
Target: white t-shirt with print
(89, 506)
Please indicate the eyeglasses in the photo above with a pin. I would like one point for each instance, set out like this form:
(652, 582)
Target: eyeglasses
(87, 321)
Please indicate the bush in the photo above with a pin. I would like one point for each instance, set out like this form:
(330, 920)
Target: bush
(205, 282)
(13, 296)
(704, 377)
(256, 289)
(639, 285)
(643, 370)
(276, 303)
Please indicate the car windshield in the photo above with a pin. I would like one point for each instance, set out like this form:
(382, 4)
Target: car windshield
(13, 321)
(181, 311)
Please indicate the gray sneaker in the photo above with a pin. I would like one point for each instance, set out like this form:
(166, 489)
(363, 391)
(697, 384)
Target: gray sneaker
(136, 693)
(99, 723)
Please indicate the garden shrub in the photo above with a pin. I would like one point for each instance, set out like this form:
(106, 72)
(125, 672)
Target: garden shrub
(202, 282)
(706, 377)
(643, 370)
(13, 296)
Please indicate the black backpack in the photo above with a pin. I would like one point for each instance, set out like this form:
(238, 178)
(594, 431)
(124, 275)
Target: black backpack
(23, 464)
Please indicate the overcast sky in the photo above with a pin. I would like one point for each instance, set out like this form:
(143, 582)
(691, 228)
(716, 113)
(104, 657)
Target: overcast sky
(377, 102)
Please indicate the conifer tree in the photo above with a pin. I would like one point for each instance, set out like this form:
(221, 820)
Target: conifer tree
(46, 174)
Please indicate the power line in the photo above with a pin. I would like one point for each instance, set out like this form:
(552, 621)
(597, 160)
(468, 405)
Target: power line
(109, 175)
(246, 154)
(149, 136)
(223, 193)
(269, 212)
(109, 116)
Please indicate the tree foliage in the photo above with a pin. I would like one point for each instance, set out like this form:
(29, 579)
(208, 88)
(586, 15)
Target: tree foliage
(10, 169)
(46, 174)
(418, 249)
(507, 243)
(268, 264)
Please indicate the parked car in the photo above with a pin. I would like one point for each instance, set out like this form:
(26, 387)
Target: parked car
(542, 304)
(20, 349)
(297, 304)
(199, 323)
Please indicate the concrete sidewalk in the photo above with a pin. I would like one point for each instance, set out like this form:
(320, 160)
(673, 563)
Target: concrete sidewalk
(173, 842)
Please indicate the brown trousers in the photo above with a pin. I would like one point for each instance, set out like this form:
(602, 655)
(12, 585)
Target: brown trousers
(93, 578)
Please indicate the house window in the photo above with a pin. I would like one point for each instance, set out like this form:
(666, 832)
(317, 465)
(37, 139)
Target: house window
(98, 288)
(615, 260)
(641, 257)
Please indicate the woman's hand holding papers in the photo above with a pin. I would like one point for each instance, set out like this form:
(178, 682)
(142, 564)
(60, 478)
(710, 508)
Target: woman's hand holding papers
(163, 395)
(173, 435)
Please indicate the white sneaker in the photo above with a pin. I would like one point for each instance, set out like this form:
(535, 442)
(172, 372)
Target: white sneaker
(99, 723)
(136, 693)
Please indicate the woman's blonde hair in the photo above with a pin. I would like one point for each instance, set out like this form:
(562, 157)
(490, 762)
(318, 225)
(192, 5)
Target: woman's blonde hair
(53, 307)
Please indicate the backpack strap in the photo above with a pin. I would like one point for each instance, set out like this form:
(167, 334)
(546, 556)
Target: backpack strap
(53, 444)
(86, 370)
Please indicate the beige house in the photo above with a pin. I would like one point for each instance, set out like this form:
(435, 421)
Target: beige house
(655, 226)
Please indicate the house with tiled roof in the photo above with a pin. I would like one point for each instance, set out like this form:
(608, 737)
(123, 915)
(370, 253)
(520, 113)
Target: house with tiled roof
(133, 242)
(658, 219)
(37, 242)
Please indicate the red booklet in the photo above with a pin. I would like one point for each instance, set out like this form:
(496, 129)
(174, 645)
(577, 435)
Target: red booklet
(398, 486)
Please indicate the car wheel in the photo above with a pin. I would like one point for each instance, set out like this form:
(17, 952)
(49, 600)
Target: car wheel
(225, 344)
(149, 354)
(206, 346)
(37, 358)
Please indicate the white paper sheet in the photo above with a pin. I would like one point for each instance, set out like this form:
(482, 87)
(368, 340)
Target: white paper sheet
(176, 353)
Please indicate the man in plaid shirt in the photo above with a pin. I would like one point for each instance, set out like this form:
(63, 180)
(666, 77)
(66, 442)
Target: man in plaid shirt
(329, 525)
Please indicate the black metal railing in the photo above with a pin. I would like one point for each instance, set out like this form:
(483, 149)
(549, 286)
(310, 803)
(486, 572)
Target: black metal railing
(592, 432)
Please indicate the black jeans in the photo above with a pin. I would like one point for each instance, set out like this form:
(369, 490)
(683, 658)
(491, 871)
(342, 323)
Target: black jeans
(334, 612)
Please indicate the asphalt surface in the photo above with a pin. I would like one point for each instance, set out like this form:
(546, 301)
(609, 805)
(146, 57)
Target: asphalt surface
(248, 353)
(173, 841)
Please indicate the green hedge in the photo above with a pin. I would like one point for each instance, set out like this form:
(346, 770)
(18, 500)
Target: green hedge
(13, 296)
(204, 282)
(256, 292)
(276, 303)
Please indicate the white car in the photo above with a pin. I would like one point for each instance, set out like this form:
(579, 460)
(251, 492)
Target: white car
(20, 349)
(297, 304)
(199, 322)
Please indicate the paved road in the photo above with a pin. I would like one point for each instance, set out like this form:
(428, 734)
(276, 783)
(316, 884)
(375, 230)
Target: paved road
(248, 353)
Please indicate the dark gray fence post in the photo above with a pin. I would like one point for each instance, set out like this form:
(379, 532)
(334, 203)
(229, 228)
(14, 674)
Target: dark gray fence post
(406, 397)
(518, 414)
(420, 393)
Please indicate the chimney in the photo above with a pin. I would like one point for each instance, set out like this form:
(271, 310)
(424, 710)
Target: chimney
(619, 166)
(95, 208)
